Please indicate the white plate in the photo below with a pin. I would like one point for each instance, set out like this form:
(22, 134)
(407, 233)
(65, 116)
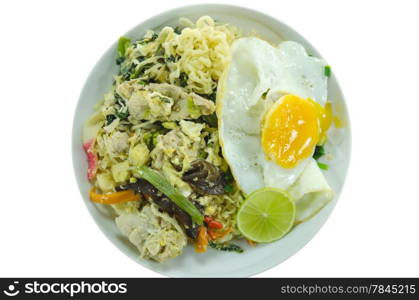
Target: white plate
(213, 263)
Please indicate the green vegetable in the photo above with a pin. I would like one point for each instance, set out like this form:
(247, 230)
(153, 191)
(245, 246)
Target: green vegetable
(323, 166)
(154, 37)
(141, 58)
(119, 99)
(172, 58)
(183, 79)
(140, 71)
(154, 140)
(202, 154)
(327, 71)
(211, 120)
(120, 60)
(169, 125)
(265, 93)
(126, 71)
(160, 52)
(178, 30)
(110, 119)
(166, 188)
(225, 247)
(228, 177)
(228, 188)
(123, 44)
(122, 114)
(213, 96)
(148, 140)
(192, 108)
(318, 152)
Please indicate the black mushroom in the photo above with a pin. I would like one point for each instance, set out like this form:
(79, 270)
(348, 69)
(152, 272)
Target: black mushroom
(205, 178)
(150, 193)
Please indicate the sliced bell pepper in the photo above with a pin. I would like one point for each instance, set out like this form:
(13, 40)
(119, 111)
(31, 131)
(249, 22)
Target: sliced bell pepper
(212, 234)
(113, 198)
(251, 243)
(216, 234)
(201, 241)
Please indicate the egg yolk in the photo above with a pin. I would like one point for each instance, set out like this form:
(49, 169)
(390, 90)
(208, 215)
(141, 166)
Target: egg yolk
(292, 128)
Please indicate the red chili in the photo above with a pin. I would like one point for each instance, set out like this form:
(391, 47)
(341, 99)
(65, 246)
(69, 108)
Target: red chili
(212, 223)
(207, 219)
(215, 224)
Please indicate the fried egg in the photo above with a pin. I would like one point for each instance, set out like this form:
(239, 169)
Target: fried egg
(272, 110)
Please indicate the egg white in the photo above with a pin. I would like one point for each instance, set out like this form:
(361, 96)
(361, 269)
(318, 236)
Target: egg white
(255, 68)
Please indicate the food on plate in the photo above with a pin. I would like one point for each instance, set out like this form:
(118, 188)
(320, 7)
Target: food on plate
(209, 136)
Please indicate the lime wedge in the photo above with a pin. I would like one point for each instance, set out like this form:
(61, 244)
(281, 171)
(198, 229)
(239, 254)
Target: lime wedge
(266, 215)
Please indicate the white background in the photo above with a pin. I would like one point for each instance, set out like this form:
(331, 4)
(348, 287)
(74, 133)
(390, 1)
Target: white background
(49, 47)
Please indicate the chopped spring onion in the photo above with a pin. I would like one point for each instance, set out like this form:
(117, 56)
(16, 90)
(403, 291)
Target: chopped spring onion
(323, 166)
(327, 71)
(166, 188)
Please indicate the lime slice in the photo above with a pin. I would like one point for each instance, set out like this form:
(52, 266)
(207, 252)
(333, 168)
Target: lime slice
(266, 215)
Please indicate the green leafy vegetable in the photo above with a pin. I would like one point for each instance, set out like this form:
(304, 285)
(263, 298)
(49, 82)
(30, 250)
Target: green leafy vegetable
(225, 247)
(318, 152)
(140, 58)
(140, 71)
(119, 99)
(123, 115)
(211, 120)
(154, 140)
(213, 96)
(228, 177)
(323, 166)
(202, 154)
(169, 125)
(110, 119)
(229, 180)
(265, 93)
(123, 44)
(160, 52)
(178, 30)
(327, 71)
(126, 71)
(183, 79)
(154, 37)
(228, 188)
(148, 140)
(172, 58)
(166, 188)
(120, 60)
